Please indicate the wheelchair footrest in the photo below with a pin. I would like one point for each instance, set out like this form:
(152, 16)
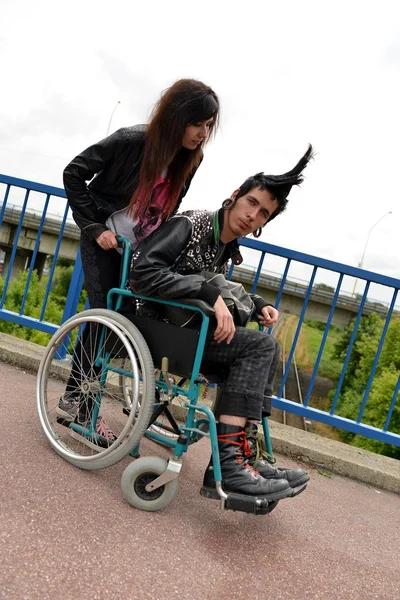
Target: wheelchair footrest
(255, 505)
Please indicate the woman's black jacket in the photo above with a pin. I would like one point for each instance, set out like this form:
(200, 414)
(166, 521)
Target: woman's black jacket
(113, 168)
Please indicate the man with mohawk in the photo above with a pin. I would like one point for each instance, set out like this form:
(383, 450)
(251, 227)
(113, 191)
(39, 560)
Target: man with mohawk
(176, 261)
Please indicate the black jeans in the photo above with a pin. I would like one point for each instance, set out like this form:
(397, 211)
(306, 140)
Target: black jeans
(250, 362)
(101, 270)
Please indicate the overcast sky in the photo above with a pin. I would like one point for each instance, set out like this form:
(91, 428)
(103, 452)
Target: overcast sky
(287, 73)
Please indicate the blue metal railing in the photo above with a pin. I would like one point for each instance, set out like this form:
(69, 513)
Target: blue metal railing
(13, 242)
(291, 257)
(330, 418)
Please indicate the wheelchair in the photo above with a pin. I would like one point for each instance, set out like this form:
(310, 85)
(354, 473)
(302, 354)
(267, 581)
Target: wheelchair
(132, 368)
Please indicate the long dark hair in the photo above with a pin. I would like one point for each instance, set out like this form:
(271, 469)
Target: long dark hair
(186, 102)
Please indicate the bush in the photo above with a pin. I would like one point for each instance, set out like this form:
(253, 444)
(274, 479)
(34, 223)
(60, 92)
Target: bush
(383, 385)
(34, 302)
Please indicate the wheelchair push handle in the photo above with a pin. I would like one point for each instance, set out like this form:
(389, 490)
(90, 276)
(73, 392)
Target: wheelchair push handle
(125, 244)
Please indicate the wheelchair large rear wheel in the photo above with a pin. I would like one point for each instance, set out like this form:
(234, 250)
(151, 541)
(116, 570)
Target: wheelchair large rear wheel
(108, 340)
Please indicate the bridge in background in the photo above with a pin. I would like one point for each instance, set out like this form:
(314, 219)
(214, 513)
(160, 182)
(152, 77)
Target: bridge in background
(294, 292)
(26, 238)
(268, 284)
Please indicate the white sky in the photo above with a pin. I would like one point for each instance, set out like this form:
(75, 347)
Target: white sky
(287, 73)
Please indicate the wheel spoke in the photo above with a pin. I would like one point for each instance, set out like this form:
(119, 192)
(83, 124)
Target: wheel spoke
(105, 334)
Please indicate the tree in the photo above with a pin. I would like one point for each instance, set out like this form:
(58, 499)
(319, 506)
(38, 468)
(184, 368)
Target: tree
(358, 373)
(34, 302)
(367, 339)
(376, 412)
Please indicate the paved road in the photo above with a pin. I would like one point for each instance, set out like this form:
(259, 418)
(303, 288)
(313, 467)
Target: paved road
(68, 534)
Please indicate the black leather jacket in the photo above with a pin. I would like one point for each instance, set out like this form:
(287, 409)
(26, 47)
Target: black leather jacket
(113, 165)
(186, 244)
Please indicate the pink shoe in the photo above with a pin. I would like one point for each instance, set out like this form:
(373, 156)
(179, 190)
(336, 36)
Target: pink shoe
(104, 436)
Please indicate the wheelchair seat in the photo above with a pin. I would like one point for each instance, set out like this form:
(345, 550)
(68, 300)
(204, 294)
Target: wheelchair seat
(178, 344)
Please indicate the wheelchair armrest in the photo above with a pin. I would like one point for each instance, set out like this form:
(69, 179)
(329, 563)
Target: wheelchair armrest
(255, 320)
(204, 306)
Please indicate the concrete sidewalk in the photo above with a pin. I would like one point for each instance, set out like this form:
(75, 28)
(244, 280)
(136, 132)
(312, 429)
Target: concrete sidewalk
(325, 454)
(68, 534)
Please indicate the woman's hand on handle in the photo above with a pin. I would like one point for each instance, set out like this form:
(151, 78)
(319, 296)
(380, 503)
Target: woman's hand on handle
(107, 240)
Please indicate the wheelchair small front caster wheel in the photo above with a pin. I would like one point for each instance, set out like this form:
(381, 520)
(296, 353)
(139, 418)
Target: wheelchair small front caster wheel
(138, 475)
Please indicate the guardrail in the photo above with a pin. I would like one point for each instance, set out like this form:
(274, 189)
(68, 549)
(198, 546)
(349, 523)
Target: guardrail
(331, 418)
(246, 273)
(46, 192)
(384, 434)
(33, 217)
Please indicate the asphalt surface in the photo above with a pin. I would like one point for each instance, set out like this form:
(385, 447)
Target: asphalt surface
(68, 534)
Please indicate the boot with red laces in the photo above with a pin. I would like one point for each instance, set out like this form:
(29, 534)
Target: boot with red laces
(258, 456)
(238, 475)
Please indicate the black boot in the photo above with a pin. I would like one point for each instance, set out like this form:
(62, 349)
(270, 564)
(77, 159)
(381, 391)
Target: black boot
(237, 475)
(257, 457)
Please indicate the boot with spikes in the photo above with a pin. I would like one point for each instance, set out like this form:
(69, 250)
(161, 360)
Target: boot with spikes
(257, 457)
(238, 475)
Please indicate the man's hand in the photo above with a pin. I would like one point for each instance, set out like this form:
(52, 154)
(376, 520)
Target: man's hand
(107, 240)
(225, 325)
(269, 316)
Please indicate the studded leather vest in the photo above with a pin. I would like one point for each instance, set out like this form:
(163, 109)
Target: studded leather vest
(205, 251)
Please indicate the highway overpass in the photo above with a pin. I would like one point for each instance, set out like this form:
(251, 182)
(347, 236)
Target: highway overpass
(268, 284)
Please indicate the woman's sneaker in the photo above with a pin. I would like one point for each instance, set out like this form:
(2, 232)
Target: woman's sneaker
(104, 436)
(67, 408)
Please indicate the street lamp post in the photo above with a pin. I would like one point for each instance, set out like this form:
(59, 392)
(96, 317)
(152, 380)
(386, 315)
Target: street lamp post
(360, 264)
(112, 114)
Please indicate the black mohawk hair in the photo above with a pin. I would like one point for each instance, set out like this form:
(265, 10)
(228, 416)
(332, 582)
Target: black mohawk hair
(278, 185)
(281, 185)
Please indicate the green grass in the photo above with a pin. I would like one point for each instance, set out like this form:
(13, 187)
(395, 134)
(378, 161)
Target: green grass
(328, 367)
(308, 345)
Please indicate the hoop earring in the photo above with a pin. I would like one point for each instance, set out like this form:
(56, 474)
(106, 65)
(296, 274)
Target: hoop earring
(257, 232)
(228, 203)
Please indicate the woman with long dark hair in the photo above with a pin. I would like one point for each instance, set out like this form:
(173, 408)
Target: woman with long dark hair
(138, 177)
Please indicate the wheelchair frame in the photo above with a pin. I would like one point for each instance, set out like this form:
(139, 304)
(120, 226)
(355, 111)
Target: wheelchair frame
(189, 432)
(193, 393)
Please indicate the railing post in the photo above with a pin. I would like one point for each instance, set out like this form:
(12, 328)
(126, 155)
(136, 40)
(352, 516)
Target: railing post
(75, 289)
(71, 304)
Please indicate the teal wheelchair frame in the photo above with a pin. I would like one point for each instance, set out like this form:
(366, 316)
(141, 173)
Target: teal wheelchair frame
(148, 483)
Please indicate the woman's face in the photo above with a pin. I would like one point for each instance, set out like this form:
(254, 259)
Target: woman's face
(196, 133)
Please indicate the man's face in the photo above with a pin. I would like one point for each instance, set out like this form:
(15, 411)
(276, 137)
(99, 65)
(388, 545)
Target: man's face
(250, 212)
